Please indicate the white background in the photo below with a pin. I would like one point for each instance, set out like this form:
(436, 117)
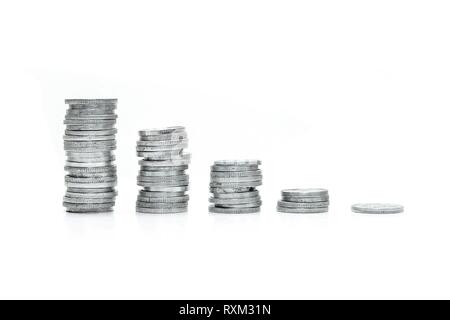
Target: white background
(352, 96)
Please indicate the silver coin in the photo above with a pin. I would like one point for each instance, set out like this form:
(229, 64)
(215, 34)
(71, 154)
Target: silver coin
(92, 175)
(102, 195)
(167, 189)
(91, 185)
(239, 206)
(163, 184)
(91, 211)
(377, 208)
(89, 144)
(172, 173)
(302, 210)
(178, 149)
(237, 180)
(217, 168)
(237, 163)
(164, 131)
(89, 127)
(90, 101)
(312, 192)
(164, 144)
(231, 190)
(213, 209)
(76, 133)
(92, 107)
(150, 194)
(72, 116)
(306, 199)
(89, 165)
(89, 138)
(161, 205)
(244, 184)
(184, 160)
(86, 206)
(172, 179)
(161, 211)
(178, 136)
(74, 170)
(96, 154)
(83, 122)
(230, 202)
(91, 150)
(160, 156)
(183, 199)
(237, 174)
(90, 180)
(90, 190)
(89, 160)
(164, 168)
(314, 205)
(236, 196)
(75, 200)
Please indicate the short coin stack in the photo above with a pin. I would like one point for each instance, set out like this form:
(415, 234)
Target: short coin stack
(89, 142)
(377, 208)
(233, 186)
(304, 201)
(162, 174)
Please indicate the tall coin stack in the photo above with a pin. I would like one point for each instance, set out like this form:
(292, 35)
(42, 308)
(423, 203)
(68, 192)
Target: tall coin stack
(89, 142)
(233, 186)
(163, 171)
(304, 201)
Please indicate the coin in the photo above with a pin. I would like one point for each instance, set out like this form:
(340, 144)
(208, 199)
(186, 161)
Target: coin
(161, 211)
(302, 210)
(237, 174)
(149, 194)
(219, 168)
(305, 199)
(183, 199)
(108, 132)
(157, 132)
(90, 191)
(90, 101)
(89, 200)
(304, 192)
(236, 163)
(213, 209)
(286, 204)
(219, 201)
(238, 195)
(226, 185)
(377, 208)
(103, 195)
(161, 205)
(166, 189)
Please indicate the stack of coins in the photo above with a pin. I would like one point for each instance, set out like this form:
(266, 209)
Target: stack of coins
(89, 142)
(163, 171)
(304, 201)
(233, 186)
(377, 208)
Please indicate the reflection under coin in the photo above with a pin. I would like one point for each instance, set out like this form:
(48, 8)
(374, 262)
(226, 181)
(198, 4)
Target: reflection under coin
(157, 222)
(81, 223)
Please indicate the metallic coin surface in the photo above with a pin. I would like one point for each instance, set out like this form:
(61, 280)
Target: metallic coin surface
(236, 163)
(182, 199)
(77, 133)
(166, 189)
(237, 195)
(157, 132)
(156, 194)
(377, 208)
(305, 205)
(161, 211)
(213, 209)
(302, 210)
(219, 168)
(312, 192)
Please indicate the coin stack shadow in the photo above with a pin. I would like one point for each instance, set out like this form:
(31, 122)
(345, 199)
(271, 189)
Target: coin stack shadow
(89, 142)
(304, 201)
(163, 171)
(233, 187)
